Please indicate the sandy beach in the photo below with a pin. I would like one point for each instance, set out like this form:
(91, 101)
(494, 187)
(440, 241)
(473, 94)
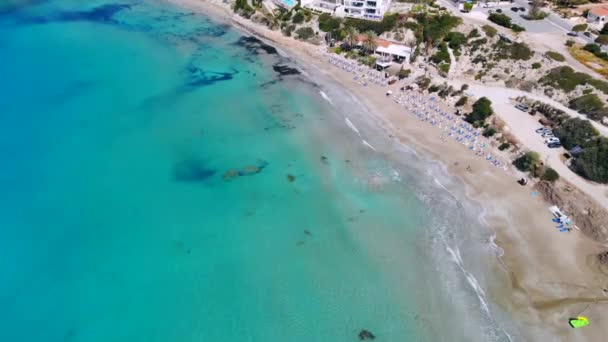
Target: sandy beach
(553, 276)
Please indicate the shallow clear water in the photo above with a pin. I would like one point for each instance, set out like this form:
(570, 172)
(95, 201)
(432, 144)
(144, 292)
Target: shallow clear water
(166, 178)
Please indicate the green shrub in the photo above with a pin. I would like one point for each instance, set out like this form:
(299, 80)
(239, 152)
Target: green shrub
(564, 78)
(444, 67)
(599, 85)
(423, 82)
(475, 44)
(579, 27)
(434, 88)
(593, 162)
(473, 34)
(517, 28)
(527, 162)
(482, 109)
(305, 33)
(388, 23)
(489, 30)
(596, 50)
(500, 19)
(504, 146)
(455, 39)
(570, 42)
(604, 29)
(442, 55)
(489, 131)
(602, 39)
(288, 30)
(536, 65)
(298, 18)
(327, 22)
(576, 132)
(516, 51)
(556, 56)
(589, 104)
(404, 73)
(461, 101)
(549, 175)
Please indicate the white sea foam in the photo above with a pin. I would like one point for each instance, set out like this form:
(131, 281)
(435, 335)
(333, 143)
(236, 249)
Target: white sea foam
(455, 253)
(367, 144)
(327, 98)
(352, 126)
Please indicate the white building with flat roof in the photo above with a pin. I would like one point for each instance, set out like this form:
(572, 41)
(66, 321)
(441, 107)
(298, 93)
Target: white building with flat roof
(366, 9)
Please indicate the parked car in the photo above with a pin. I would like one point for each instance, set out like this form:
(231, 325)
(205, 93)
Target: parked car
(547, 135)
(498, 10)
(572, 34)
(554, 145)
(542, 130)
(521, 9)
(514, 9)
(522, 107)
(552, 140)
(587, 33)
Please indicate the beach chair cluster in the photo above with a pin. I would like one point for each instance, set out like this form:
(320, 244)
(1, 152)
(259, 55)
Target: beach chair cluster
(361, 73)
(429, 109)
(562, 221)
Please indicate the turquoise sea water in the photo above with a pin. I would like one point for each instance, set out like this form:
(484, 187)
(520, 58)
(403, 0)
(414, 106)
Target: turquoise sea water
(167, 179)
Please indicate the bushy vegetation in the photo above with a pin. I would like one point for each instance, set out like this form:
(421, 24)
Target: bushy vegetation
(590, 105)
(516, 51)
(536, 65)
(461, 101)
(387, 23)
(504, 21)
(566, 79)
(579, 27)
(576, 132)
(404, 73)
(305, 33)
(549, 175)
(473, 34)
(423, 82)
(527, 162)
(500, 19)
(455, 40)
(596, 50)
(442, 54)
(433, 28)
(298, 18)
(482, 109)
(489, 30)
(243, 8)
(328, 23)
(593, 162)
(602, 39)
(556, 56)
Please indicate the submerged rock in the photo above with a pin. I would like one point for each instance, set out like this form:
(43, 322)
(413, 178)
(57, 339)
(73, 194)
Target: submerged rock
(291, 178)
(191, 170)
(245, 171)
(366, 335)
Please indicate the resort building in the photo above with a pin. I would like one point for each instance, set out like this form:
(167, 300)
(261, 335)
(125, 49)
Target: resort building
(597, 16)
(365, 9)
(360, 9)
(389, 52)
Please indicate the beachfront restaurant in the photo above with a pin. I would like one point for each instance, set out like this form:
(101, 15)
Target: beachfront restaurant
(390, 52)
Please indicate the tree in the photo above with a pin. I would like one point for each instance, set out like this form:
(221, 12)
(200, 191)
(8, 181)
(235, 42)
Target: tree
(527, 162)
(352, 37)
(328, 23)
(550, 175)
(482, 109)
(602, 39)
(579, 27)
(370, 41)
(305, 33)
(467, 7)
(298, 18)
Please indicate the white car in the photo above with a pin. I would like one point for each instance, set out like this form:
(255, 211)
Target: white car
(552, 140)
(548, 134)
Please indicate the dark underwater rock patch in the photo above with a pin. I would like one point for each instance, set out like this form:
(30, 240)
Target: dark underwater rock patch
(284, 70)
(99, 14)
(192, 170)
(248, 170)
(254, 45)
(199, 77)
